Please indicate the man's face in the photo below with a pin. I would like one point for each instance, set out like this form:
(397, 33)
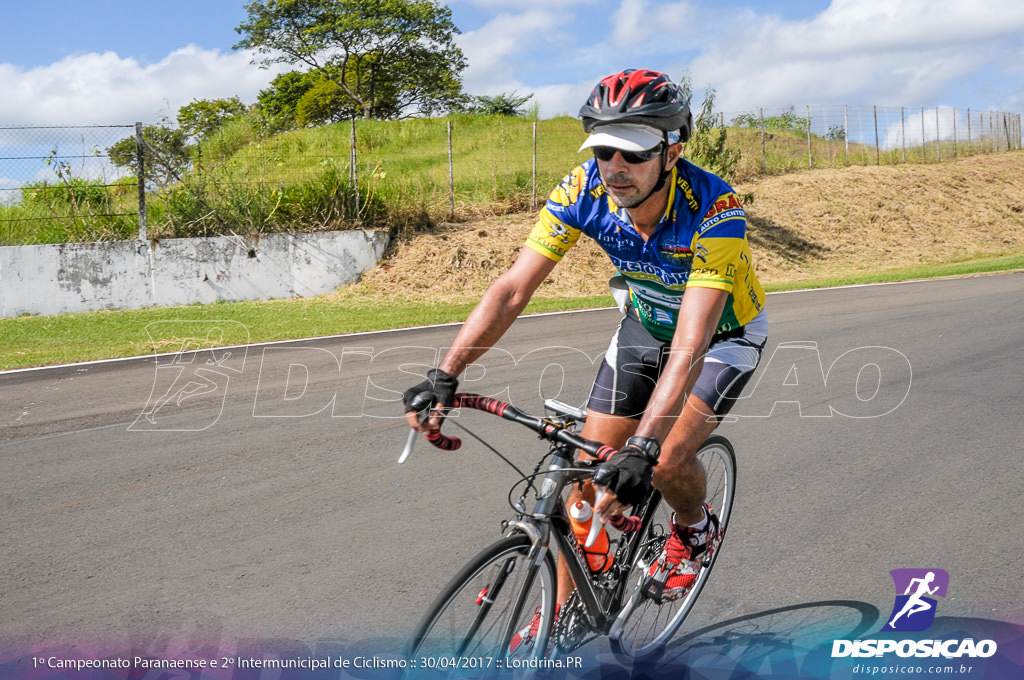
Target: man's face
(629, 184)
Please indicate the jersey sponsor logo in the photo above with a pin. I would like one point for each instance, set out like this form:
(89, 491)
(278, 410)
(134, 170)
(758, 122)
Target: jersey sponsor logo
(719, 218)
(636, 268)
(724, 203)
(675, 254)
(691, 198)
(568, 190)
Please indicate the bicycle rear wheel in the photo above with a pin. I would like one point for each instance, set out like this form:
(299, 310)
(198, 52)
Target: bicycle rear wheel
(499, 605)
(649, 625)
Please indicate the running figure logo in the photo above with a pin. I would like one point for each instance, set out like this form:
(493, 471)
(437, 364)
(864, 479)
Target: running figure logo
(914, 609)
(197, 373)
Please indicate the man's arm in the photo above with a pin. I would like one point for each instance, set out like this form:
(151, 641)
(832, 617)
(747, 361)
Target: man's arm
(699, 312)
(503, 302)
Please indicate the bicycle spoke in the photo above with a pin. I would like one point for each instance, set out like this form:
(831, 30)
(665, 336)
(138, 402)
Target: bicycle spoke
(648, 625)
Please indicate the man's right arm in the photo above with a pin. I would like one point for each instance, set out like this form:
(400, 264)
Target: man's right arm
(503, 302)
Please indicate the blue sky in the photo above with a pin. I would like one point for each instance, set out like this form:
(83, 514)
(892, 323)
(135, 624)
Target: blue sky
(112, 61)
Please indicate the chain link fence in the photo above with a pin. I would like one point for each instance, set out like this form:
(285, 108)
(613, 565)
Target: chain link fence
(828, 136)
(57, 184)
(60, 184)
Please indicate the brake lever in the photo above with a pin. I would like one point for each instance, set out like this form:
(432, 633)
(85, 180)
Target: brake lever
(597, 523)
(409, 444)
(421, 404)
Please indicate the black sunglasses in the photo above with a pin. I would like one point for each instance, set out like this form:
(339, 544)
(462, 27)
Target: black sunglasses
(606, 153)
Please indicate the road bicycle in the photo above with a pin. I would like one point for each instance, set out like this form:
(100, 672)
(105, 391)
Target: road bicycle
(505, 596)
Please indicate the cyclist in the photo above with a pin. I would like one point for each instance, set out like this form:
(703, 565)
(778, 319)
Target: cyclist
(694, 325)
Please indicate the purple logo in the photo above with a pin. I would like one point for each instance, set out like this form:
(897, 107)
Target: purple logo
(916, 589)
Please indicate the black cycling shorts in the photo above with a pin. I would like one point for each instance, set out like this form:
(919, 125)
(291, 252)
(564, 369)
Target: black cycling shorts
(634, 361)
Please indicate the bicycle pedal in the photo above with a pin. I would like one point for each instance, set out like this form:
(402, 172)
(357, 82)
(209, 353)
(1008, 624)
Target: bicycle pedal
(653, 589)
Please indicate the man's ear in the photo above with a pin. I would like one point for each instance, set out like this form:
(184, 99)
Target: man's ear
(672, 155)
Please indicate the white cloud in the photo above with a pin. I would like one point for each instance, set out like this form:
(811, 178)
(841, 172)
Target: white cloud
(888, 52)
(641, 28)
(493, 50)
(106, 88)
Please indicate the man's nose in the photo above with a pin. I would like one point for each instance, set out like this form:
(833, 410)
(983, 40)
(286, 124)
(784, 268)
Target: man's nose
(618, 163)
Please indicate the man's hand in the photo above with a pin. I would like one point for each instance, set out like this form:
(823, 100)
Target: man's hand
(439, 393)
(627, 475)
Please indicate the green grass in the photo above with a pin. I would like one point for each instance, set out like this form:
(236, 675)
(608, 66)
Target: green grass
(982, 265)
(44, 340)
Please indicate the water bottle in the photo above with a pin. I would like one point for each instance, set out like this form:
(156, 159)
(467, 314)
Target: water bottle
(598, 555)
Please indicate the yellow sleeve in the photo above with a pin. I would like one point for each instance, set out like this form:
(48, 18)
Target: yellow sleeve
(551, 237)
(714, 262)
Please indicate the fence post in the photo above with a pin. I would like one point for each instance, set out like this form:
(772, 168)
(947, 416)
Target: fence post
(969, 141)
(846, 132)
(533, 199)
(810, 156)
(764, 153)
(140, 164)
(451, 176)
(924, 145)
(938, 137)
(878, 154)
(353, 159)
(903, 131)
(954, 132)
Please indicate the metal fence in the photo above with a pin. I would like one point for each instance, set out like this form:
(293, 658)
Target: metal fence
(873, 135)
(59, 184)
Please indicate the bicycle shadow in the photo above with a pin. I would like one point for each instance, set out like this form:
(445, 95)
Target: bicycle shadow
(779, 643)
(796, 642)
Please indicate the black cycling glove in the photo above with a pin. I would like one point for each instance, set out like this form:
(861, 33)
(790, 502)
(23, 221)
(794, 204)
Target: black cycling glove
(627, 475)
(440, 388)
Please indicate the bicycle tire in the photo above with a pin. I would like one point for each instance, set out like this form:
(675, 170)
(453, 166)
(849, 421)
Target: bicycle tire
(650, 625)
(492, 598)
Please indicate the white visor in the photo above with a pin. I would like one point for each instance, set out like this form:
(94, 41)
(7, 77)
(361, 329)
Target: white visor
(624, 137)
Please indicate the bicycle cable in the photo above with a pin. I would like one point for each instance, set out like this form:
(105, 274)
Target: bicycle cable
(492, 449)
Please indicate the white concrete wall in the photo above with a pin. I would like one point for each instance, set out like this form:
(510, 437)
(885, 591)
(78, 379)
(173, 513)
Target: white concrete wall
(82, 277)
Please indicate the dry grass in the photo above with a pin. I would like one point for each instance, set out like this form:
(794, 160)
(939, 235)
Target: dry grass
(808, 224)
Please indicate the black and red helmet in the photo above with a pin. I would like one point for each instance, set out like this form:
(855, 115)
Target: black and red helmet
(639, 97)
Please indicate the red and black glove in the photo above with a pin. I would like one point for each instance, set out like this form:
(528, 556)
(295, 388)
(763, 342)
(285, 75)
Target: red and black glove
(438, 388)
(627, 474)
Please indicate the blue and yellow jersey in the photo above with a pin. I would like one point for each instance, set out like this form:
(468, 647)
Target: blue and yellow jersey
(701, 241)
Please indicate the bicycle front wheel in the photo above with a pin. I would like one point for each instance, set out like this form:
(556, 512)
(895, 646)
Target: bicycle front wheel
(648, 624)
(500, 605)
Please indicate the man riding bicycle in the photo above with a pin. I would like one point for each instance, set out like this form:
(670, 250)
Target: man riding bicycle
(694, 326)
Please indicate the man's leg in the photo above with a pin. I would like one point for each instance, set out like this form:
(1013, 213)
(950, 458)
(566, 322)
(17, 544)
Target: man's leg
(679, 476)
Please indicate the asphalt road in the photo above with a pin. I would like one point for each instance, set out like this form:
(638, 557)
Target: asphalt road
(252, 496)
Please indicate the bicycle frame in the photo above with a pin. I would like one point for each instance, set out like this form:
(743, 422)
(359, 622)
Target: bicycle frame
(549, 513)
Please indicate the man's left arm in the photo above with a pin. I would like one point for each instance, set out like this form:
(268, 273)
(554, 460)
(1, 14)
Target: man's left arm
(628, 473)
(699, 313)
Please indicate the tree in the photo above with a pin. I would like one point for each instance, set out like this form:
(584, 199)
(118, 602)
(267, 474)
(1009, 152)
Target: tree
(501, 105)
(325, 102)
(389, 58)
(203, 116)
(281, 99)
(165, 154)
